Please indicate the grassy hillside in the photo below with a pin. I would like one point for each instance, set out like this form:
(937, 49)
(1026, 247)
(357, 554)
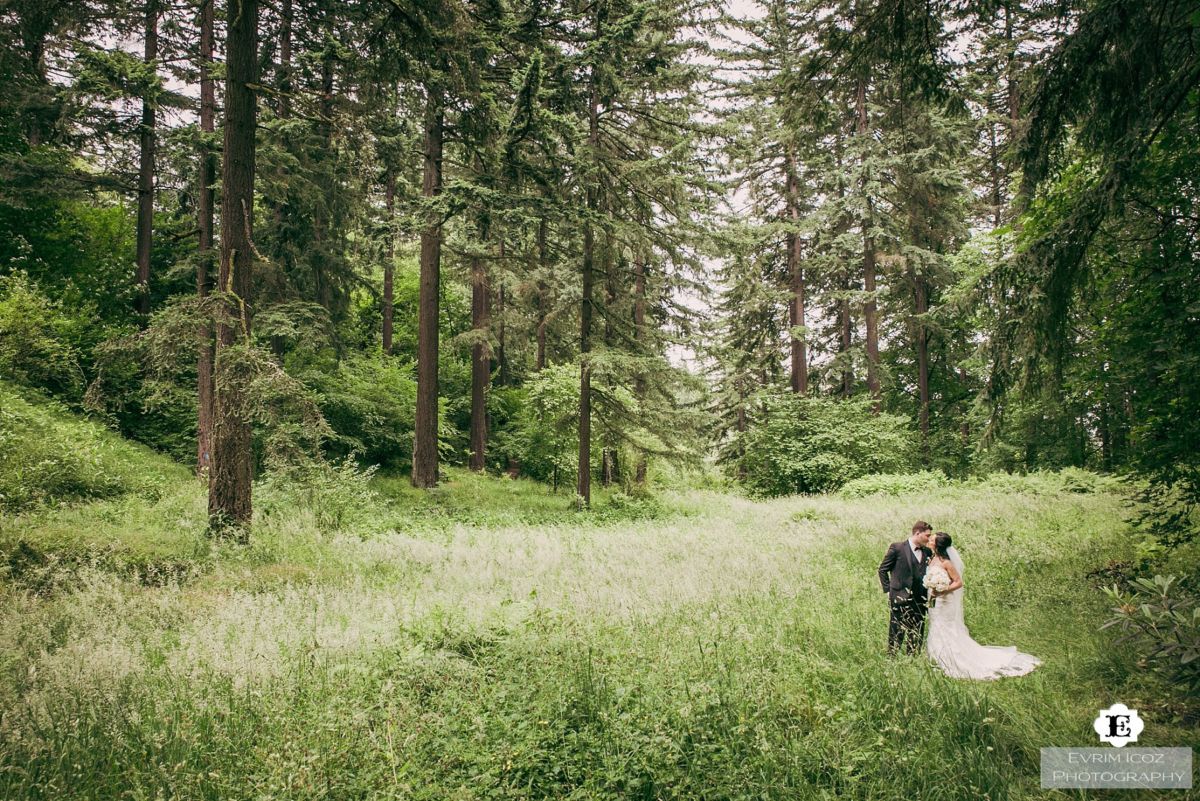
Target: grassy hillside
(73, 492)
(717, 648)
(74, 495)
(49, 456)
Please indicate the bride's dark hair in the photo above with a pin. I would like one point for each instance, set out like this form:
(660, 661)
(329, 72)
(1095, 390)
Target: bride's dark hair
(941, 544)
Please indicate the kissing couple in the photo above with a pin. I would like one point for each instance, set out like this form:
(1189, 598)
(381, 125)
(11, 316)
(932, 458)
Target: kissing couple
(923, 577)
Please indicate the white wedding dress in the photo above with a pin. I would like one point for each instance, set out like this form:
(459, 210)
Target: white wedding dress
(950, 646)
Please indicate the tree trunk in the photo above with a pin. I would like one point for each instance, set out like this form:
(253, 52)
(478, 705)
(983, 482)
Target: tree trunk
(425, 444)
(870, 317)
(741, 429)
(230, 477)
(389, 264)
(965, 429)
(844, 321)
(610, 470)
(922, 306)
(145, 215)
(283, 109)
(284, 105)
(583, 480)
(37, 119)
(869, 269)
(608, 454)
(204, 213)
(1105, 432)
(503, 375)
(796, 274)
(1124, 412)
(319, 223)
(845, 341)
(1033, 430)
(639, 332)
(997, 176)
(584, 469)
(1014, 89)
(542, 299)
(481, 372)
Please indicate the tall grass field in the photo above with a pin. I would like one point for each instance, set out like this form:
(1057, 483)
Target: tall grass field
(486, 641)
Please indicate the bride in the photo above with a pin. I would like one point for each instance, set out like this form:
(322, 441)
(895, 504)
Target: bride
(949, 643)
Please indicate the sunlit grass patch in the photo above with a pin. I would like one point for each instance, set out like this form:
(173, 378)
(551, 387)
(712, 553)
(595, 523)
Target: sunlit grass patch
(734, 652)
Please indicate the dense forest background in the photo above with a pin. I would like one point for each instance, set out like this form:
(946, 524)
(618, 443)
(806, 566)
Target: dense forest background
(584, 241)
(513, 399)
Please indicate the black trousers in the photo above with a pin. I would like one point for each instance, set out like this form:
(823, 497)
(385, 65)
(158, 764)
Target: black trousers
(906, 628)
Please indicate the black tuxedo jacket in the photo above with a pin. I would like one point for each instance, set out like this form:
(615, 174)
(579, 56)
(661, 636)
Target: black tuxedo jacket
(901, 575)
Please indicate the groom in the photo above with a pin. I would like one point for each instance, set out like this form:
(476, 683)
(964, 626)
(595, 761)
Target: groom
(902, 575)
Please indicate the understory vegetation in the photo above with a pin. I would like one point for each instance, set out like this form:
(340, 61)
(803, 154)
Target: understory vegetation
(486, 641)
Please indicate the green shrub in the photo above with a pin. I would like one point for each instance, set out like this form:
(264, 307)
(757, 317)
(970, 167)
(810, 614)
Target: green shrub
(1168, 511)
(48, 456)
(156, 410)
(505, 409)
(1076, 479)
(624, 506)
(80, 254)
(799, 444)
(35, 339)
(894, 484)
(369, 401)
(1049, 482)
(1161, 620)
(546, 437)
(339, 495)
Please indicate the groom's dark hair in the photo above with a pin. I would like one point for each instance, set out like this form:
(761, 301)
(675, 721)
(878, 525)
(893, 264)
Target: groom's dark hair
(920, 526)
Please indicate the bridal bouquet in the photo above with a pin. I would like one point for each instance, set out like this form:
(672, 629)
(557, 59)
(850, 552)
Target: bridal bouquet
(937, 580)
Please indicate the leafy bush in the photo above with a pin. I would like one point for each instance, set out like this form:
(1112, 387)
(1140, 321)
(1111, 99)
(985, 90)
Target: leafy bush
(894, 484)
(1169, 511)
(339, 494)
(505, 408)
(48, 456)
(369, 401)
(1161, 619)
(1076, 479)
(623, 506)
(145, 385)
(1049, 482)
(800, 444)
(79, 253)
(546, 438)
(155, 407)
(35, 339)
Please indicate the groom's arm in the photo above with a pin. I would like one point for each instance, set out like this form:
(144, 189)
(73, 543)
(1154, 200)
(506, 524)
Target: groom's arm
(886, 566)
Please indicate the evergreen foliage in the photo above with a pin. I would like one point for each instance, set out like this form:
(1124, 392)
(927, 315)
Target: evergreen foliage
(978, 217)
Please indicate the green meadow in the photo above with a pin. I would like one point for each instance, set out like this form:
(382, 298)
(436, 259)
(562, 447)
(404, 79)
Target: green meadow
(486, 640)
